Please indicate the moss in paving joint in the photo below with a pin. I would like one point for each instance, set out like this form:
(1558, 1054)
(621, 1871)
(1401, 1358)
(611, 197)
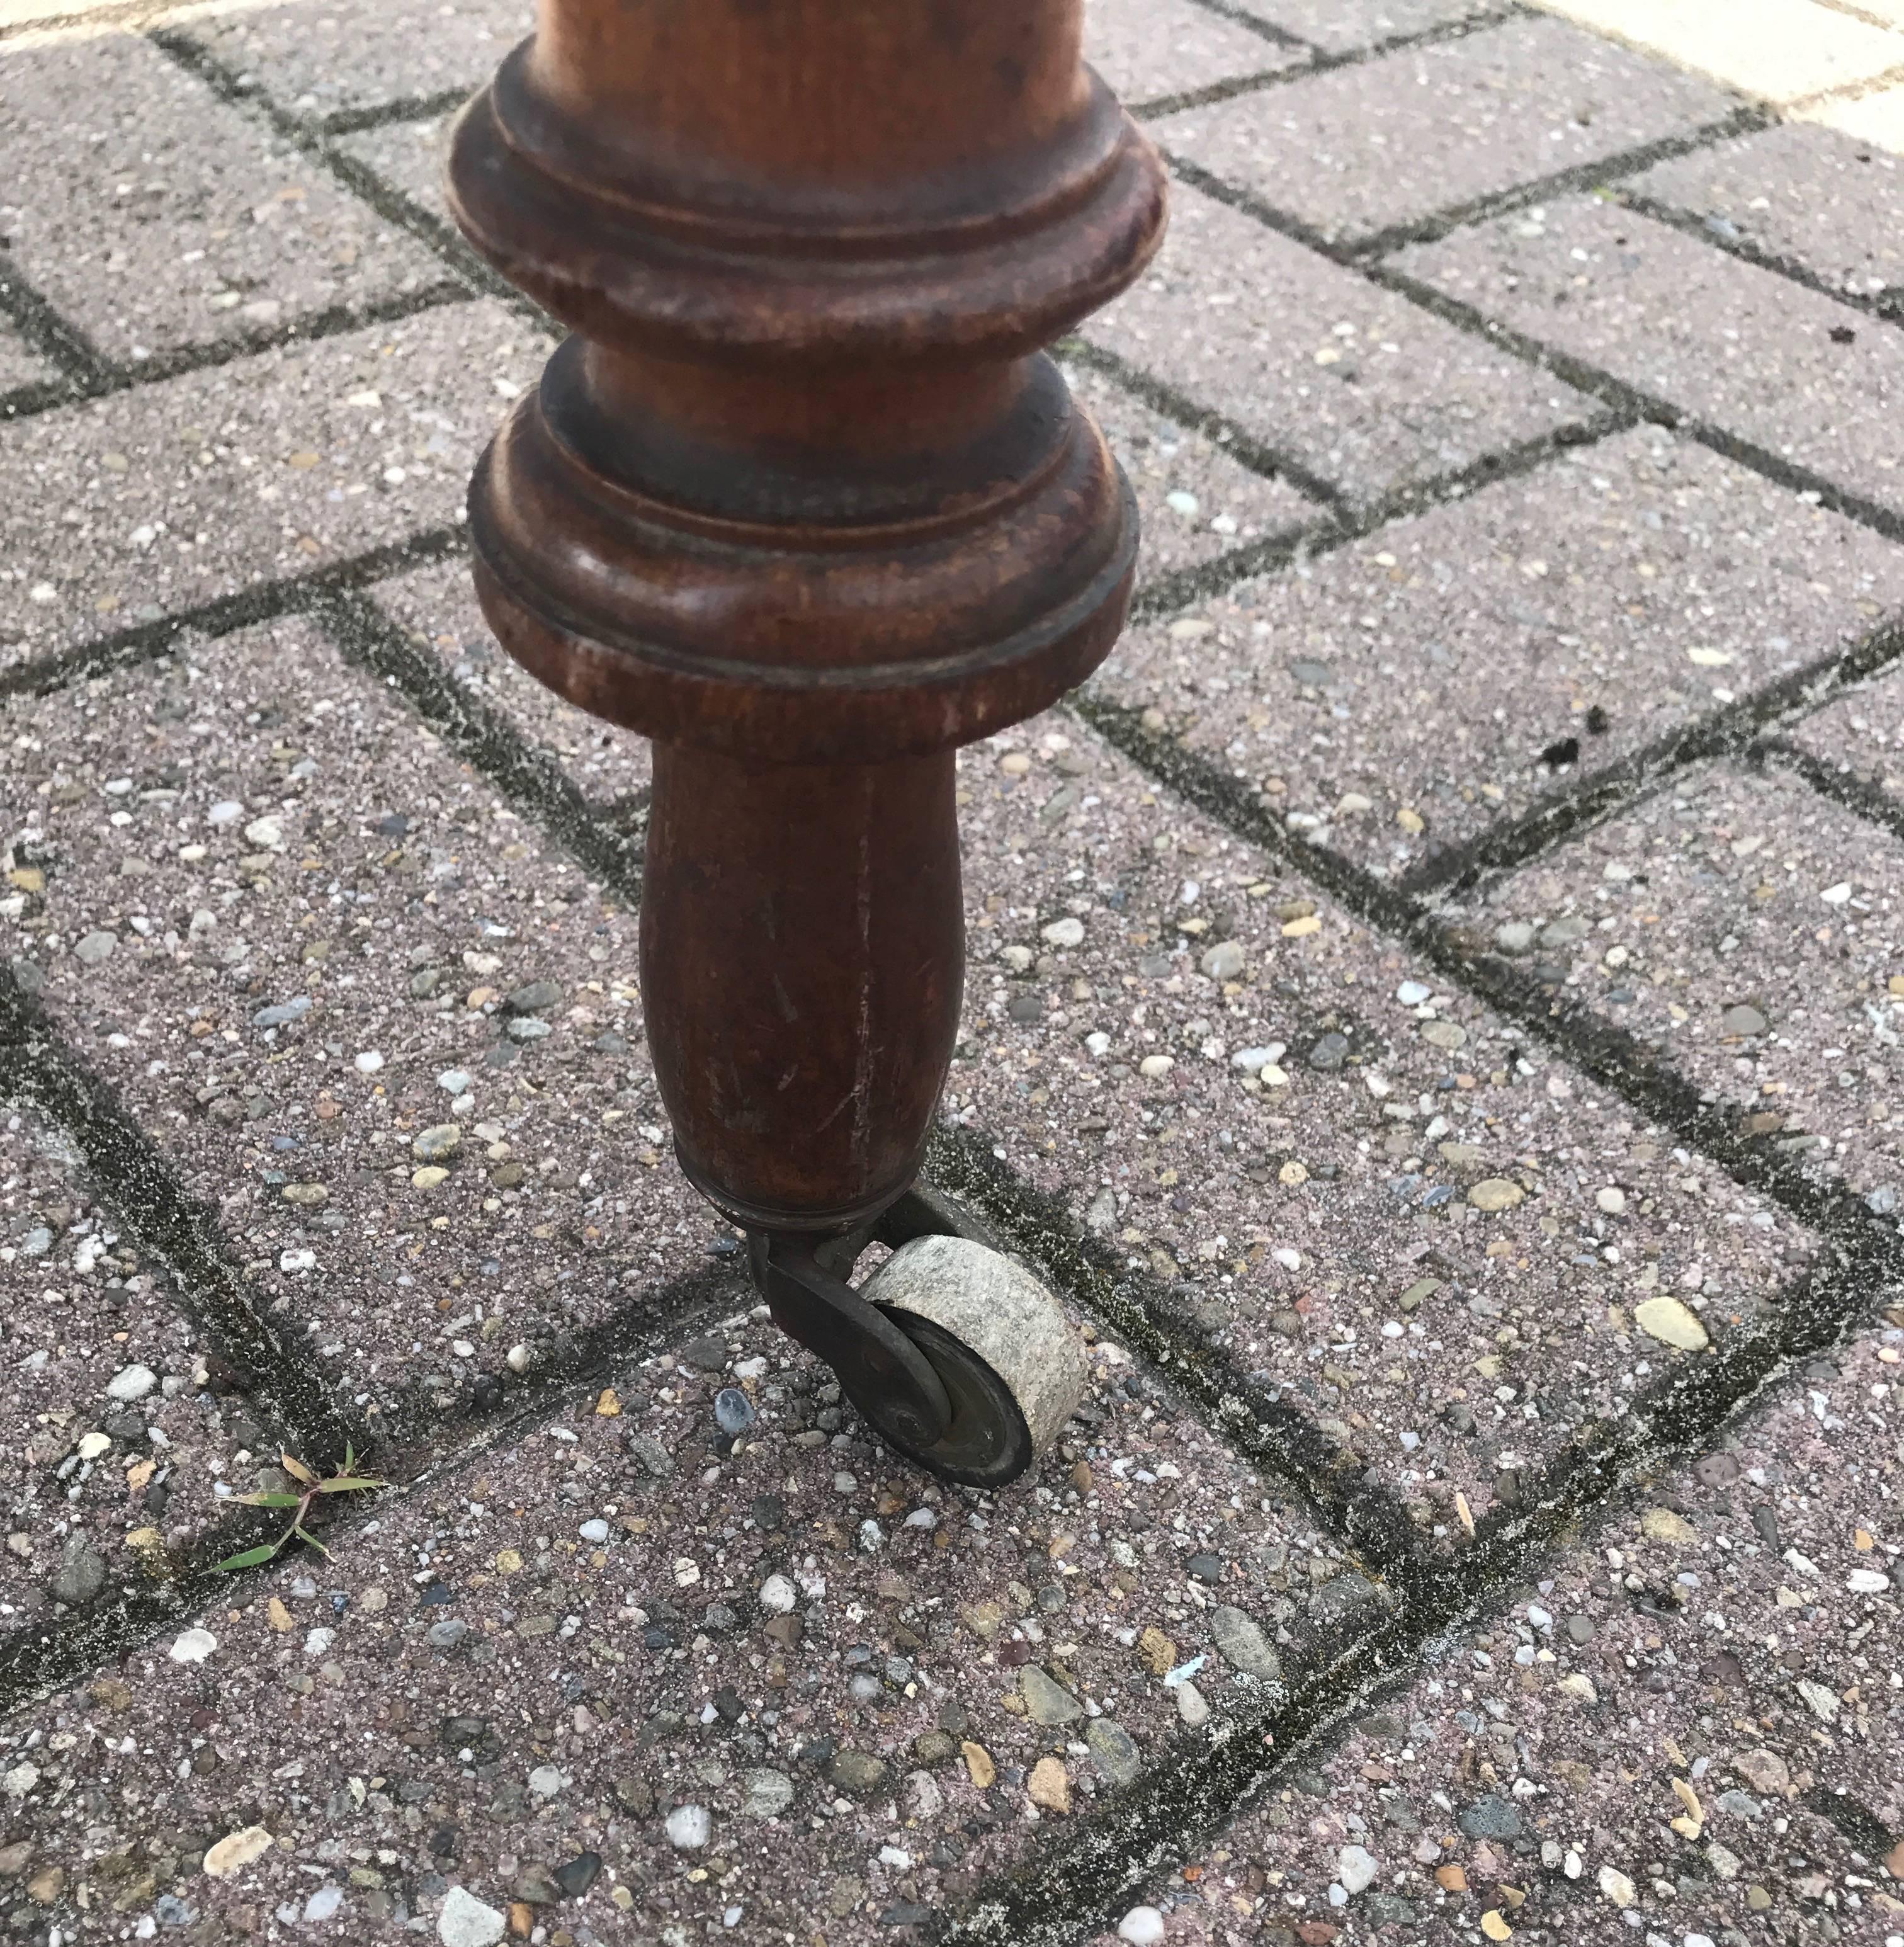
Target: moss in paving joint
(1591, 175)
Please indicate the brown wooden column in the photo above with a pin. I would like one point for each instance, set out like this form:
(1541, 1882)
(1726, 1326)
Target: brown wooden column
(801, 501)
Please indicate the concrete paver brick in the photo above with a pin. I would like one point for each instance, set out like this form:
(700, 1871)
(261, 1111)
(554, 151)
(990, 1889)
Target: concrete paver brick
(1798, 193)
(410, 156)
(315, 58)
(1394, 698)
(1373, 1194)
(19, 363)
(1349, 27)
(404, 1059)
(1736, 345)
(1195, 501)
(1148, 49)
(1472, 116)
(1685, 1718)
(436, 606)
(1862, 734)
(1749, 928)
(198, 486)
(1876, 118)
(116, 1430)
(626, 1612)
(154, 218)
(1362, 388)
(1774, 49)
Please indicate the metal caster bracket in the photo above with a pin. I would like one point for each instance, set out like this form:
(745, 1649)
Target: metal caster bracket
(953, 1352)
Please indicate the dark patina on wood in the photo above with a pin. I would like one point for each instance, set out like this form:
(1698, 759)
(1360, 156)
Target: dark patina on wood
(803, 500)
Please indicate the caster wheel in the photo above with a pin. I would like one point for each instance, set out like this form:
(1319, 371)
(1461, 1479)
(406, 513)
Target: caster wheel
(1011, 1363)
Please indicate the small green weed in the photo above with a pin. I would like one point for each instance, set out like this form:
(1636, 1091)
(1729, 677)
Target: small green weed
(346, 1482)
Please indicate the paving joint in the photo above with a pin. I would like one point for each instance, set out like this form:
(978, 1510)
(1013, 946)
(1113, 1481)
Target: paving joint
(1746, 119)
(1616, 392)
(56, 1083)
(39, 1659)
(529, 778)
(309, 138)
(1565, 811)
(1254, 23)
(1227, 90)
(55, 338)
(1608, 1055)
(1363, 1515)
(386, 114)
(262, 602)
(1613, 392)
(1168, 593)
(1242, 446)
(107, 378)
(1843, 786)
(1323, 61)
(1108, 1858)
(1886, 305)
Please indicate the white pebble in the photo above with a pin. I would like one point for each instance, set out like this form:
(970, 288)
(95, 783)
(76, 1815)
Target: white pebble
(689, 1828)
(193, 1646)
(368, 1062)
(1254, 1060)
(1611, 1199)
(777, 1595)
(1356, 1867)
(131, 1382)
(596, 1531)
(466, 1921)
(1142, 1927)
(1412, 994)
(323, 1903)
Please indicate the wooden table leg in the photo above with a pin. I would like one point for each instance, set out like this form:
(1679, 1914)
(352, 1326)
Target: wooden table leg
(802, 501)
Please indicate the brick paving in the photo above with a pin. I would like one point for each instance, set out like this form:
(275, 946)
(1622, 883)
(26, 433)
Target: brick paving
(1463, 1117)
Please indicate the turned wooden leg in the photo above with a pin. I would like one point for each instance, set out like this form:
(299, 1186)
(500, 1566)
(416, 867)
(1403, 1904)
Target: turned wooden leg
(803, 501)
